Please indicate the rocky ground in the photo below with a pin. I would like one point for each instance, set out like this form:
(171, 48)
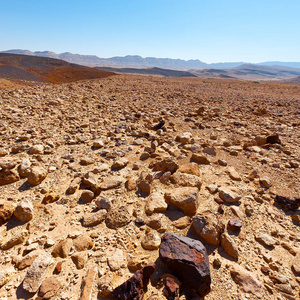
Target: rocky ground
(97, 176)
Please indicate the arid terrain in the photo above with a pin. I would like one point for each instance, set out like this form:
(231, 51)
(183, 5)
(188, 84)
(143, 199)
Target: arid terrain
(94, 173)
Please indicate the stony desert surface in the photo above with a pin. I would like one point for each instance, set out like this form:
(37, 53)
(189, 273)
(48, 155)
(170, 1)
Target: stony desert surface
(140, 187)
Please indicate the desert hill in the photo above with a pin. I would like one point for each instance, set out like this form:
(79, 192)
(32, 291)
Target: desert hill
(43, 69)
(295, 80)
(149, 71)
(250, 72)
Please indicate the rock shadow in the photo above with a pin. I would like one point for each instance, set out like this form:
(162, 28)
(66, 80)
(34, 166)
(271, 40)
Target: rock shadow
(23, 294)
(25, 187)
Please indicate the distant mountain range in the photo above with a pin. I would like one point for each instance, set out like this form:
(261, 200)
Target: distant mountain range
(136, 61)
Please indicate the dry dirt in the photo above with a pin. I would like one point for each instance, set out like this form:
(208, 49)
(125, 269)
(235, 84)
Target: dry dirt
(76, 132)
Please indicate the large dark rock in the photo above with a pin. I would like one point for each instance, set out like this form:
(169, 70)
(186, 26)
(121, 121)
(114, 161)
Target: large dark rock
(273, 139)
(287, 203)
(135, 287)
(188, 260)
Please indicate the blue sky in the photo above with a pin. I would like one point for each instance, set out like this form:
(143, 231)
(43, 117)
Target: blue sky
(209, 30)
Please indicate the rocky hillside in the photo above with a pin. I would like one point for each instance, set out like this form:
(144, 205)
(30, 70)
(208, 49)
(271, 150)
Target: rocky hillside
(41, 69)
(134, 187)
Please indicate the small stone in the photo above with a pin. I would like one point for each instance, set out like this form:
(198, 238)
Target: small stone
(208, 227)
(151, 240)
(5, 275)
(234, 175)
(184, 179)
(36, 175)
(190, 168)
(6, 212)
(155, 203)
(168, 164)
(228, 195)
(85, 161)
(24, 211)
(36, 272)
(137, 262)
(28, 259)
(74, 185)
(51, 198)
(234, 225)
(229, 245)
(87, 196)
(111, 182)
(82, 243)
(130, 184)
(266, 239)
(116, 260)
(120, 163)
(185, 198)
(79, 260)
(103, 203)
(212, 188)
(182, 222)
(98, 144)
(200, 159)
(93, 219)
(222, 162)
(49, 287)
(24, 168)
(8, 176)
(273, 139)
(209, 151)
(36, 149)
(266, 182)
(14, 238)
(62, 249)
(118, 217)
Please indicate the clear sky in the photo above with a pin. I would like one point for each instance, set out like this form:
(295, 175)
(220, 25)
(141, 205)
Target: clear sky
(209, 30)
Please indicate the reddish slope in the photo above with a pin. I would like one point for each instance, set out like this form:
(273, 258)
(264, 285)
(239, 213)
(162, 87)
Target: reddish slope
(42, 69)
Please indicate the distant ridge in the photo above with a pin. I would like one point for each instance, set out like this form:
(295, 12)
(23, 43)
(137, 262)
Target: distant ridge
(136, 61)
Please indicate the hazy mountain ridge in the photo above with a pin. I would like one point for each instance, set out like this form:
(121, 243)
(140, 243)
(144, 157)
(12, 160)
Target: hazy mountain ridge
(140, 62)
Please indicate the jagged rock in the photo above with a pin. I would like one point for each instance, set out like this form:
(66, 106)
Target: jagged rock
(188, 260)
(287, 203)
(157, 222)
(116, 260)
(229, 245)
(103, 203)
(135, 287)
(118, 217)
(87, 196)
(200, 159)
(145, 186)
(155, 202)
(87, 283)
(190, 168)
(15, 237)
(233, 174)
(182, 222)
(98, 144)
(130, 184)
(166, 165)
(246, 280)
(184, 137)
(184, 179)
(6, 212)
(62, 249)
(185, 198)
(24, 211)
(24, 167)
(8, 176)
(234, 224)
(106, 285)
(137, 262)
(36, 272)
(266, 182)
(171, 286)
(93, 219)
(79, 259)
(151, 241)
(266, 239)
(111, 182)
(49, 287)
(120, 163)
(74, 185)
(51, 197)
(273, 139)
(36, 149)
(208, 227)
(36, 175)
(82, 243)
(227, 195)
